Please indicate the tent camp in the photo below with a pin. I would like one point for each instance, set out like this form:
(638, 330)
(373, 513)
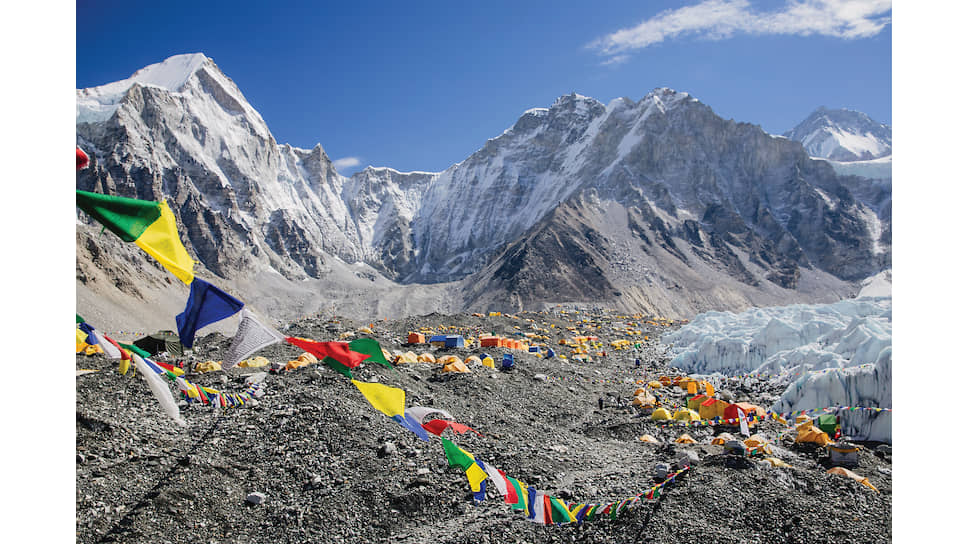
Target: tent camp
(161, 341)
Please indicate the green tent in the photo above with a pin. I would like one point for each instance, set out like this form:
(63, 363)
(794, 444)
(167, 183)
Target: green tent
(161, 341)
(828, 423)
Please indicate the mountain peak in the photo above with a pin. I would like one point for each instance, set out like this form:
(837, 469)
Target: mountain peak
(842, 135)
(172, 74)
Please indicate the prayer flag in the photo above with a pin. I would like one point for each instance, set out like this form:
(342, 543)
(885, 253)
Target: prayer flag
(477, 477)
(500, 482)
(337, 367)
(518, 489)
(535, 505)
(372, 348)
(457, 456)
(389, 400)
(437, 427)
(249, 338)
(410, 424)
(159, 390)
(420, 412)
(206, 305)
(340, 351)
(560, 512)
(150, 225)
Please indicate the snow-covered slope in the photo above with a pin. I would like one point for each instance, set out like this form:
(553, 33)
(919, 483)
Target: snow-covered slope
(842, 135)
(831, 355)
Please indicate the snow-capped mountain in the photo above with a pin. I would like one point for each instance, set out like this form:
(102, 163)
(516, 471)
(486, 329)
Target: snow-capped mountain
(658, 203)
(842, 135)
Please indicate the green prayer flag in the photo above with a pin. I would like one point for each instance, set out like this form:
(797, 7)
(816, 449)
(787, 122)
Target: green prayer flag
(130, 347)
(559, 511)
(456, 456)
(79, 318)
(338, 367)
(372, 348)
(126, 217)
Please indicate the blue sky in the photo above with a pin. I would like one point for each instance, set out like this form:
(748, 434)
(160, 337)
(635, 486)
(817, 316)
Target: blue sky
(422, 85)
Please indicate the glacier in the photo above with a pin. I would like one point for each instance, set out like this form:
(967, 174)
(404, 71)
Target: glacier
(828, 355)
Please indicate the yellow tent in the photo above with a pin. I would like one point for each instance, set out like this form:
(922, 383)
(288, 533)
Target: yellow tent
(456, 366)
(644, 400)
(649, 438)
(254, 362)
(721, 439)
(812, 434)
(777, 463)
(426, 358)
(655, 384)
(208, 366)
(408, 357)
(711, 408)
(685, 414)
(696, 401)
(447, 359)
(488, 362)
(661, 414)
(853, 476)
(686, 439)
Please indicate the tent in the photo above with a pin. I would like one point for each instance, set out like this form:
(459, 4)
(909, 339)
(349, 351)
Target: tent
(732, 411)
(661, 414)
(448, 359)
(649, 438)
(655, 384)
(426, 358)
(853, 476)
(644, 400)
(473, 360)
(408, 357)
(759, 442)
(711, 408)
(456, 366)
(686, 439)
(812, 434)
(487, 361)
(722, 438)
(254, 362)
(828, 423)
(685, 414)
(777, 463)
(208, 366)
(696, 401)
(161, 341)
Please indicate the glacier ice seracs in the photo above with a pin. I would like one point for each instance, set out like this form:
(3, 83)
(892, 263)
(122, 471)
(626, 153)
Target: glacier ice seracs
(830, 355)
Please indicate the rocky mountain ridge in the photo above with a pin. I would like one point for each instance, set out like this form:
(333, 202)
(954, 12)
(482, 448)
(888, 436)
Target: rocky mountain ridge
(663, 185)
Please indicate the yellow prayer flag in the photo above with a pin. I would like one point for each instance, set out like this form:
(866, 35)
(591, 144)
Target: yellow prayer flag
(389, 400)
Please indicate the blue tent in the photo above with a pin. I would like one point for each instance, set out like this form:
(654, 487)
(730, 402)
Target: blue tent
(508, 362)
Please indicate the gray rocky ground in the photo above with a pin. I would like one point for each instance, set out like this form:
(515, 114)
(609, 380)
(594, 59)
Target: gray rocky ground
(333, 469)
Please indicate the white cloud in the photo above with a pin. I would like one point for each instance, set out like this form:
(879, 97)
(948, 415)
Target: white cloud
(721, 19)
(346, 162)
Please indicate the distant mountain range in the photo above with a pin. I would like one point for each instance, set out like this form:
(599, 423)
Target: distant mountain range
(656, 205)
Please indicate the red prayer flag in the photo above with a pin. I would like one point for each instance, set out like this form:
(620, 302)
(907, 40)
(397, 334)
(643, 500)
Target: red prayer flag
(437, 427)
(82, 160)
(339, 351)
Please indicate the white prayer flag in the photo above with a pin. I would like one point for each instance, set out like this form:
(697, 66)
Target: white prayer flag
(251, 337)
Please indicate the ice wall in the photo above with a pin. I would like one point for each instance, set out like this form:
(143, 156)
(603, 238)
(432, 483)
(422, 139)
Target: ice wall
(830, 355)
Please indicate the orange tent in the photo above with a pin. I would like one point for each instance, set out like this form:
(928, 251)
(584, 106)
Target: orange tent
(711, 408)
(853, 476)
(812, 434)
(685, 439)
